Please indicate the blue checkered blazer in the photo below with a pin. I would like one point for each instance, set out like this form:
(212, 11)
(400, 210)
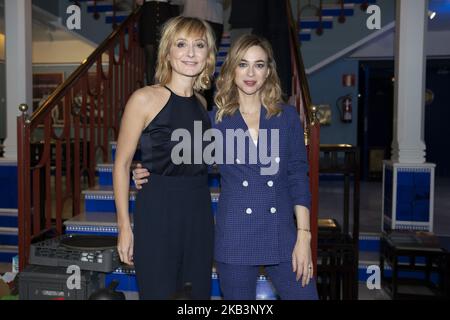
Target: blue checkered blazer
(255, 216)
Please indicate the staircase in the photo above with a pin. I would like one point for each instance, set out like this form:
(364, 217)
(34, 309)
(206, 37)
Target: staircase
(327, 15)
(111, 12)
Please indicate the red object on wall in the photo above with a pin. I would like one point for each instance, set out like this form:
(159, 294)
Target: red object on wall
(348, 80)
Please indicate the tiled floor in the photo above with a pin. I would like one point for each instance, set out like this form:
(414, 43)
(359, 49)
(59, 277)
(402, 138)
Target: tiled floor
(375, 294)
(331, 204)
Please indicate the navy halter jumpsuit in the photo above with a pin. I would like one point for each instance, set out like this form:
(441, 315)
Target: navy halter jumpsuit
(173, 222)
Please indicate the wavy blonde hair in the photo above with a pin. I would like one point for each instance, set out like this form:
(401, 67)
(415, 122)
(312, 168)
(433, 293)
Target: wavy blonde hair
(227, 97)
(187, 26)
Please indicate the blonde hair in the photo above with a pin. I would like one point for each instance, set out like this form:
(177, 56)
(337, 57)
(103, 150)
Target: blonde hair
(184, 25)
(227, 97)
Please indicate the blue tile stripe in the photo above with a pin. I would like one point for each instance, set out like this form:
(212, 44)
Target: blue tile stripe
(305, 37)
(119, 19)
(105, 177)
(136, 157)
(9, 239)
(8, 221)
(8, 185)
(7, 256)
(100, 8)
(94, 204)
(337, 12)
(316, 24)
(369, 244)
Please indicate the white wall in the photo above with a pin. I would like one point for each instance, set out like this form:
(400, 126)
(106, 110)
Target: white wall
(438, 45)
(56, 52)
(61, 52)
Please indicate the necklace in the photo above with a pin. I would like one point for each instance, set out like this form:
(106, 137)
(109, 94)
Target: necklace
(248, 113)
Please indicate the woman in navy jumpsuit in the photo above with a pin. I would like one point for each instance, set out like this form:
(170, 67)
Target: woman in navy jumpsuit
(171, 242)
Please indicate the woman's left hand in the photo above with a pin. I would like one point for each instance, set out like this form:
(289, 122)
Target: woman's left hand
(301, 258)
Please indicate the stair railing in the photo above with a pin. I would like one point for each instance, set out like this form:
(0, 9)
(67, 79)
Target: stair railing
(318, 12)
(319, 30)
(311, 125)
(114, 23)
(342, 18)
(57, 155)
(301, 9)
(96, 13)
(364, 6)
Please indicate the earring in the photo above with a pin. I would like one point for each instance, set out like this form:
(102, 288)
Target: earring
(206, 79)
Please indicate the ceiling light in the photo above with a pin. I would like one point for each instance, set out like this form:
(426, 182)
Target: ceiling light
(431, 14)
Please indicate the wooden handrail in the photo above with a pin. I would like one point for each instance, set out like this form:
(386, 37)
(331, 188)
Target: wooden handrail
(52, 164)
(114, 23)
(342, 18)
(310, 123)
(303, 101)
(319, 30)
(62, 89)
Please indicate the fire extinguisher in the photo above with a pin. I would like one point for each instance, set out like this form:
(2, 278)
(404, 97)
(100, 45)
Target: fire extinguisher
(344, 105)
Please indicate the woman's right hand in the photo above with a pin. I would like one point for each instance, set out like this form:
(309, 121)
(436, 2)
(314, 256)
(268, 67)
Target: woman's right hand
(139, 175)
(125, 244)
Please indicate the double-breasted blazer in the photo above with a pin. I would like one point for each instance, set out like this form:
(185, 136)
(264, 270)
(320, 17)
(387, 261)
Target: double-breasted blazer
(255, 219)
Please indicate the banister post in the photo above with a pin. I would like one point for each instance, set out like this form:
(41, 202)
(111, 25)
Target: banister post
(23, 166)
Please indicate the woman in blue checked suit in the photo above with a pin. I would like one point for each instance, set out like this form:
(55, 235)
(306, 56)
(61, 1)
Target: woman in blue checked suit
(263, 211)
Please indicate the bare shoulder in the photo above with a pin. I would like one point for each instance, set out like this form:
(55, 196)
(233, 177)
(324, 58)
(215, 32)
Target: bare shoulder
(150, 95)
(202, 99)
(148, 101)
